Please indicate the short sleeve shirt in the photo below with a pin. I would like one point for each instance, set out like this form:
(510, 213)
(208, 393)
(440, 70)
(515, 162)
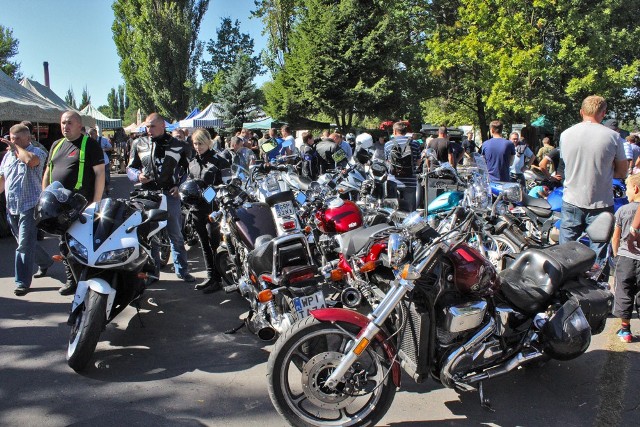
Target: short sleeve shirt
(496, 152)
(22, 184)
(65, 164)
(624, 218)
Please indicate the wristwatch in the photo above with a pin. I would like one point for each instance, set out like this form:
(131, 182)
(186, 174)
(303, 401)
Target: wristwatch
(633, 230)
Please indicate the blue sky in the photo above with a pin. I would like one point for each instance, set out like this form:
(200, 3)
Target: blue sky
(75, 37)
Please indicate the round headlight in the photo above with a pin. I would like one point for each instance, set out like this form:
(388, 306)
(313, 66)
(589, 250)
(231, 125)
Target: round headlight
(397, 249)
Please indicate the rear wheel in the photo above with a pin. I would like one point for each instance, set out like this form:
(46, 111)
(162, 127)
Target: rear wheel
(224, 266)
(302, 360)
(86, 330)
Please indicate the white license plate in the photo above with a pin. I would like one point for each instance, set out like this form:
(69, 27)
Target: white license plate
(304, 305)
(284, 209)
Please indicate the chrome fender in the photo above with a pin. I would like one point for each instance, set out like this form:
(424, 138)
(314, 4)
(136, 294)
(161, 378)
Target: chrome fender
(98, 285)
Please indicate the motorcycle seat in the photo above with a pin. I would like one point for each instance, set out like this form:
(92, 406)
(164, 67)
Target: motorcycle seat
(540, 207)
(537, 274)
(301, 181)
(354, 241)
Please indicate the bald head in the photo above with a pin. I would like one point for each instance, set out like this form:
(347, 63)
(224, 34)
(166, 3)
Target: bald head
(71, 125)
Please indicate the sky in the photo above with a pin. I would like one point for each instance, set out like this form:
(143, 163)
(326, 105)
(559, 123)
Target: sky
(75, 37)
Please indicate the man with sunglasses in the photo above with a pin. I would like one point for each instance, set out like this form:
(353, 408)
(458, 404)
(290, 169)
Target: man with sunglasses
(159, 162)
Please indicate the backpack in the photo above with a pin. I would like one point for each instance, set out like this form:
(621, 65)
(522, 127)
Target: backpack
(401, 160)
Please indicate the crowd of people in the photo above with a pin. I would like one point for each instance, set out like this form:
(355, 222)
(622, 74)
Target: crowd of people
(589, 155)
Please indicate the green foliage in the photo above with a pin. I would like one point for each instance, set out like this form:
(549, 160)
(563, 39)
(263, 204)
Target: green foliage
(106, 110)
(237, 96)
(278, 19)
(85, 100)
(343, 71)
(230, 42)
(515, 60)
(70, 98)
(157, 41)
(118, 102)
(9, 49)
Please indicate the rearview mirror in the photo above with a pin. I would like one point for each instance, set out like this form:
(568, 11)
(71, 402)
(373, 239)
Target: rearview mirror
(157, 215)
(209, 194)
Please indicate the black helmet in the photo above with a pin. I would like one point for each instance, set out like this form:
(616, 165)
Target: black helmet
(191, 192)
(363, 156)
(567, 334)
(58, 208)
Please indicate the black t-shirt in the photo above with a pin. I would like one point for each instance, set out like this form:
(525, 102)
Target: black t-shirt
(441, 147)
(554, 156)
(66, 163)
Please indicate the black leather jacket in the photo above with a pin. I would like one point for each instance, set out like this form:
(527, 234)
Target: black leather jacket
(163, 159)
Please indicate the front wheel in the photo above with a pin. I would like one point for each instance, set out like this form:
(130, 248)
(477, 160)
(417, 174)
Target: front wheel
(86, 330)
(302, 360)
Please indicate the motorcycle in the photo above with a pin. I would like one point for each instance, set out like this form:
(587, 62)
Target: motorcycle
(449, 316)
(275, 273)
(108, 247)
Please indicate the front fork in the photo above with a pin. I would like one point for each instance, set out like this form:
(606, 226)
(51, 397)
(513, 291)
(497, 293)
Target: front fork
(376, 320)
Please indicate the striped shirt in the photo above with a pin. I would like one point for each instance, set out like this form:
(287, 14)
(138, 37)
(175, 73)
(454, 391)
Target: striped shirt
(22, 183)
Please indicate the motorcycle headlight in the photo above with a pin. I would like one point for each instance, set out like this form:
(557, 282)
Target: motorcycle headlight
(512, 192)
(77, 249)
(397, 249)
(117, 256)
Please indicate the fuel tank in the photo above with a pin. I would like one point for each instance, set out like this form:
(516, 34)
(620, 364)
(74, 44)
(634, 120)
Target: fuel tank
(252, 220)
(339, 216)
(473, 274)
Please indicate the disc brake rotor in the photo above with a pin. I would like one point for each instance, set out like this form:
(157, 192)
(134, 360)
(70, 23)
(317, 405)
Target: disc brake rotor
(315, 374)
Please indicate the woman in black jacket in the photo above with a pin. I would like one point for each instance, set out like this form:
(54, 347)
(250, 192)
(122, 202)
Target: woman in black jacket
(206, 166)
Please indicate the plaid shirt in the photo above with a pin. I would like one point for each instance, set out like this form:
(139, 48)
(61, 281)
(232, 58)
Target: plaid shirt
(22, 184)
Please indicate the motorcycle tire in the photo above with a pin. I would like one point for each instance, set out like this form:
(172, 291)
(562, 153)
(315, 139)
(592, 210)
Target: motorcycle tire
(86, 330)
(305, 355)
(165, 247)
(222, 263)
(499, 246)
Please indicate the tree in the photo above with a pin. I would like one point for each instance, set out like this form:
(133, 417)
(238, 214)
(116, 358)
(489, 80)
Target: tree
(278, 19)
(238, 93)
(106, 110)
(515, 60)
(121, 101)
(157, 41)
(9, 49)
(70, 98)
(85, 100)
(342, 71)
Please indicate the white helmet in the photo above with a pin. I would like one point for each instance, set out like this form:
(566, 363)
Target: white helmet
(364, 140)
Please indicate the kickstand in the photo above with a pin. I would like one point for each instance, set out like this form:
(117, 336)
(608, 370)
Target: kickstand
(234, 330)
(485, 403)
(136, 304)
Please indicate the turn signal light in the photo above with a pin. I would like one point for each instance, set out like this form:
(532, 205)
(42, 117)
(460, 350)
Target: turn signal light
(57, 258)
(307, 229)
(265, 296)
(409, 272)
(267, 278)
(337, 275)
(368, 266)
(361, 346)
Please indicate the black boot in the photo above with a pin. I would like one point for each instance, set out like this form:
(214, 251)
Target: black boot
(209, 286)
(69, 288)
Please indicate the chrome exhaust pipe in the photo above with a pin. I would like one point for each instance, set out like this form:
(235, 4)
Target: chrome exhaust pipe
(351, 297)
(259, 326)
(508, 366)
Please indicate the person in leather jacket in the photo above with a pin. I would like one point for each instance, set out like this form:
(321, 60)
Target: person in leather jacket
(159, 161)
(206, 166)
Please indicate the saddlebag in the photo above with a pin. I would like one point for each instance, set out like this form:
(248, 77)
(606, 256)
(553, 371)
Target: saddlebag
(537, 274)
(596, 302)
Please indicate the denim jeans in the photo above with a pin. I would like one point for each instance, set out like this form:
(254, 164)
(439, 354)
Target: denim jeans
(575, 220)
(174, 227)
(23, 227)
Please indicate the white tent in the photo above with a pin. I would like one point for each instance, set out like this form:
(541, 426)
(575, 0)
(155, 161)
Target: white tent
(102, 121)
(207, 118)
(47, 94)
(18, 103)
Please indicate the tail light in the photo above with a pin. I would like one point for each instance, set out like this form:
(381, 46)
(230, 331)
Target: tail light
(295, 278)
(57, 258)
(289, 225)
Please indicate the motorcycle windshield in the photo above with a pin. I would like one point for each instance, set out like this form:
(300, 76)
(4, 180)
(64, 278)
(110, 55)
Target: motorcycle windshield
(108, 216)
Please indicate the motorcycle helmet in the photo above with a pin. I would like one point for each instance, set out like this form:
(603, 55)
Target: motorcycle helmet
(567, 334)
(363, 156)
(58, 208)
(191, 192)
(364, 140)
(350, 137)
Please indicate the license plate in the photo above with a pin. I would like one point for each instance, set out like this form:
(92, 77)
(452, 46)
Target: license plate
(284, 209)
(304, 305)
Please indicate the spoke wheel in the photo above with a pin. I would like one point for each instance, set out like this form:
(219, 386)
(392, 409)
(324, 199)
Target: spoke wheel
(497, 247)
(302, 360)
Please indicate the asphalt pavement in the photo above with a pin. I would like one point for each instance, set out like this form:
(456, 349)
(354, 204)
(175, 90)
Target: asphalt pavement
(176, 366)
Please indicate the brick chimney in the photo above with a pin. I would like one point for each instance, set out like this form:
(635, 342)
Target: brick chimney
(46, 73)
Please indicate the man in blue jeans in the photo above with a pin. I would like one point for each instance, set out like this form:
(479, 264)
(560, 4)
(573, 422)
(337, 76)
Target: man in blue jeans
(159, 161)
(593, 155)
(21, 178)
